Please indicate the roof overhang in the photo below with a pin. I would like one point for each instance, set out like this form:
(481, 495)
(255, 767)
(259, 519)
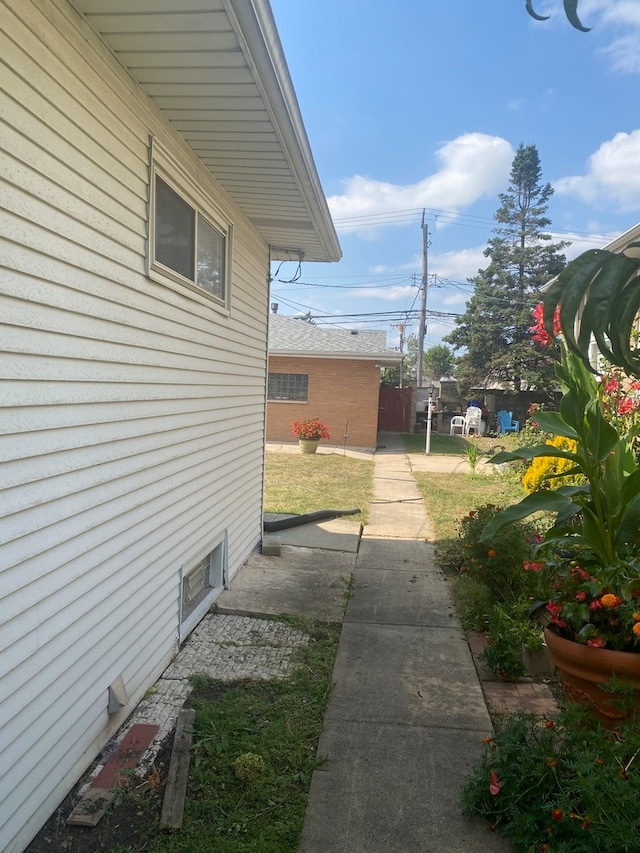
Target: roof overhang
(217, 71)
(620, 243)
(385, 359)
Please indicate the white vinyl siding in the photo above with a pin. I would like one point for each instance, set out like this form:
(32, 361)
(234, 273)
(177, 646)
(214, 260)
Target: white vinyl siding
(132, 413)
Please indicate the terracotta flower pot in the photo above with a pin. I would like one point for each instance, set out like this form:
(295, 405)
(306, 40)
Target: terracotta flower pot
(308, 445)
(583, 669)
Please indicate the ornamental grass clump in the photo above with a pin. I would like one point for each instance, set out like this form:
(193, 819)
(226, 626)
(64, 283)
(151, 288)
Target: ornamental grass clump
(563, 784)
(311, 429)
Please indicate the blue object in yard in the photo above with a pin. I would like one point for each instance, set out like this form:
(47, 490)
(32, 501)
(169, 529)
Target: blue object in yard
(506, 422)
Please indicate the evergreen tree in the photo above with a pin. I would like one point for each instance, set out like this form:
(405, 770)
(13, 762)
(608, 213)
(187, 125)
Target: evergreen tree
(494, 330)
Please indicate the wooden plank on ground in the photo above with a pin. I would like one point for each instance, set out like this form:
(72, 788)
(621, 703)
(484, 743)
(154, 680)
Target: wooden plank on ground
(91, 807)
(176, 789)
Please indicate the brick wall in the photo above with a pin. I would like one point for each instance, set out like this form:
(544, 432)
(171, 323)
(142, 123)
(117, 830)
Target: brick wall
(340, 392)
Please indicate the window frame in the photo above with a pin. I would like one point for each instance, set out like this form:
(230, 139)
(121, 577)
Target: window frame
(287, 399)
(166, 168)
(217, 551)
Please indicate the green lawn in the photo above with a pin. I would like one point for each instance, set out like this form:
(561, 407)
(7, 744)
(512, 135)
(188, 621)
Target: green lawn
(297, 483)
(448, 445)
(449, 497)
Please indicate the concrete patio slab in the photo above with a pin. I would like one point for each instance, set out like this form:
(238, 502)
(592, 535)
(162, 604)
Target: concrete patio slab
(393, 789)
(412, 523)
(396, 554)
(295, 583)
(401, 597)
(336, 534)
(406, 676)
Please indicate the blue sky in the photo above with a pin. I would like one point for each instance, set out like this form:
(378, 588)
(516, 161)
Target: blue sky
(421, 104)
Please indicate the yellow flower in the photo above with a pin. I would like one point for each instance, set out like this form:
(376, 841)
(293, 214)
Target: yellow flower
(636, 629)
(636, 616)
(609, 600)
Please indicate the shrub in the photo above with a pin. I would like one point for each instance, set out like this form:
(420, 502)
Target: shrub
(508, 628)
(498, 562)
(546, 472)
(473, 603)
(561, 785)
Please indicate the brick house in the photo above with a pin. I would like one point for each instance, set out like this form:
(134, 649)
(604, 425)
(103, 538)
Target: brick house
(331, 374)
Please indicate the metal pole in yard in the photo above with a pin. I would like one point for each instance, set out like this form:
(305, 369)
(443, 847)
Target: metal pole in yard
(427, 447)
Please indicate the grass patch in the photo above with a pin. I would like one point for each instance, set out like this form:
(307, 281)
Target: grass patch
(257, 803)
(448, 445)
(295, 483)
(449, 497)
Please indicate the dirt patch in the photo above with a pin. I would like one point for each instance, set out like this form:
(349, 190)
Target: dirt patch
(130, 822)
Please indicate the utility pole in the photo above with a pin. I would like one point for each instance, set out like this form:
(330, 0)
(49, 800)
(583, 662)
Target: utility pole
(423, 300)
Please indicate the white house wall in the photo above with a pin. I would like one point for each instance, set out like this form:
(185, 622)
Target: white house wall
(132, 413)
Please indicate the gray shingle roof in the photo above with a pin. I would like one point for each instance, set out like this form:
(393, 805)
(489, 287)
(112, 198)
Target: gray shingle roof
(290, 336)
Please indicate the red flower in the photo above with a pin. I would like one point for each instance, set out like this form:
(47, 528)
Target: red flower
(538, 330)
(557, 814)
(495, 785)
(596, 643)
(310, 429)
(627, 406)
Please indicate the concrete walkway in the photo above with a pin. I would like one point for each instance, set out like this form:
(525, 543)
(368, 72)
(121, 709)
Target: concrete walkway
(406, 717)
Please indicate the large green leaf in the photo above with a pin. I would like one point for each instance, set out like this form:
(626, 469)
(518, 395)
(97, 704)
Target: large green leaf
(554, 422)
(628, 530)
(571, 9)
(600, 438)
(598, 294)
(545, 501)
(525, 453)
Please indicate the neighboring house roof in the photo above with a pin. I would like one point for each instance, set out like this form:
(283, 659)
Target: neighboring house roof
(217, 71)
(289, 336)
(621, 242)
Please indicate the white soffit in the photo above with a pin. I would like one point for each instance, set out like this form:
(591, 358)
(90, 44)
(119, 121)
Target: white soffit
(217, 71)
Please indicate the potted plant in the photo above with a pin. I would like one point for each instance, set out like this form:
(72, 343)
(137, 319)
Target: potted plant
(591, 554)
(309, 433)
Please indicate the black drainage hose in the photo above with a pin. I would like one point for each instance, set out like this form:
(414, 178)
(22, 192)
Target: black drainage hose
(307, 518)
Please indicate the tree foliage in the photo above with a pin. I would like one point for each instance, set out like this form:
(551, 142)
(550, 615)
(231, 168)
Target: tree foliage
(437, 361)
(494, 330)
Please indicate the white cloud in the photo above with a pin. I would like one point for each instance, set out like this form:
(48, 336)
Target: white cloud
(458, 265)
(613, 174)
(471, 166)
(618, 21)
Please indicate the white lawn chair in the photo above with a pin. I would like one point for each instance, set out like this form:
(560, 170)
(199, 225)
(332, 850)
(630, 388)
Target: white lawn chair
(473, 421)
(457, 422)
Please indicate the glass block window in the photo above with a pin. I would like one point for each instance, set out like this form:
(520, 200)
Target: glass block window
(293, 387)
